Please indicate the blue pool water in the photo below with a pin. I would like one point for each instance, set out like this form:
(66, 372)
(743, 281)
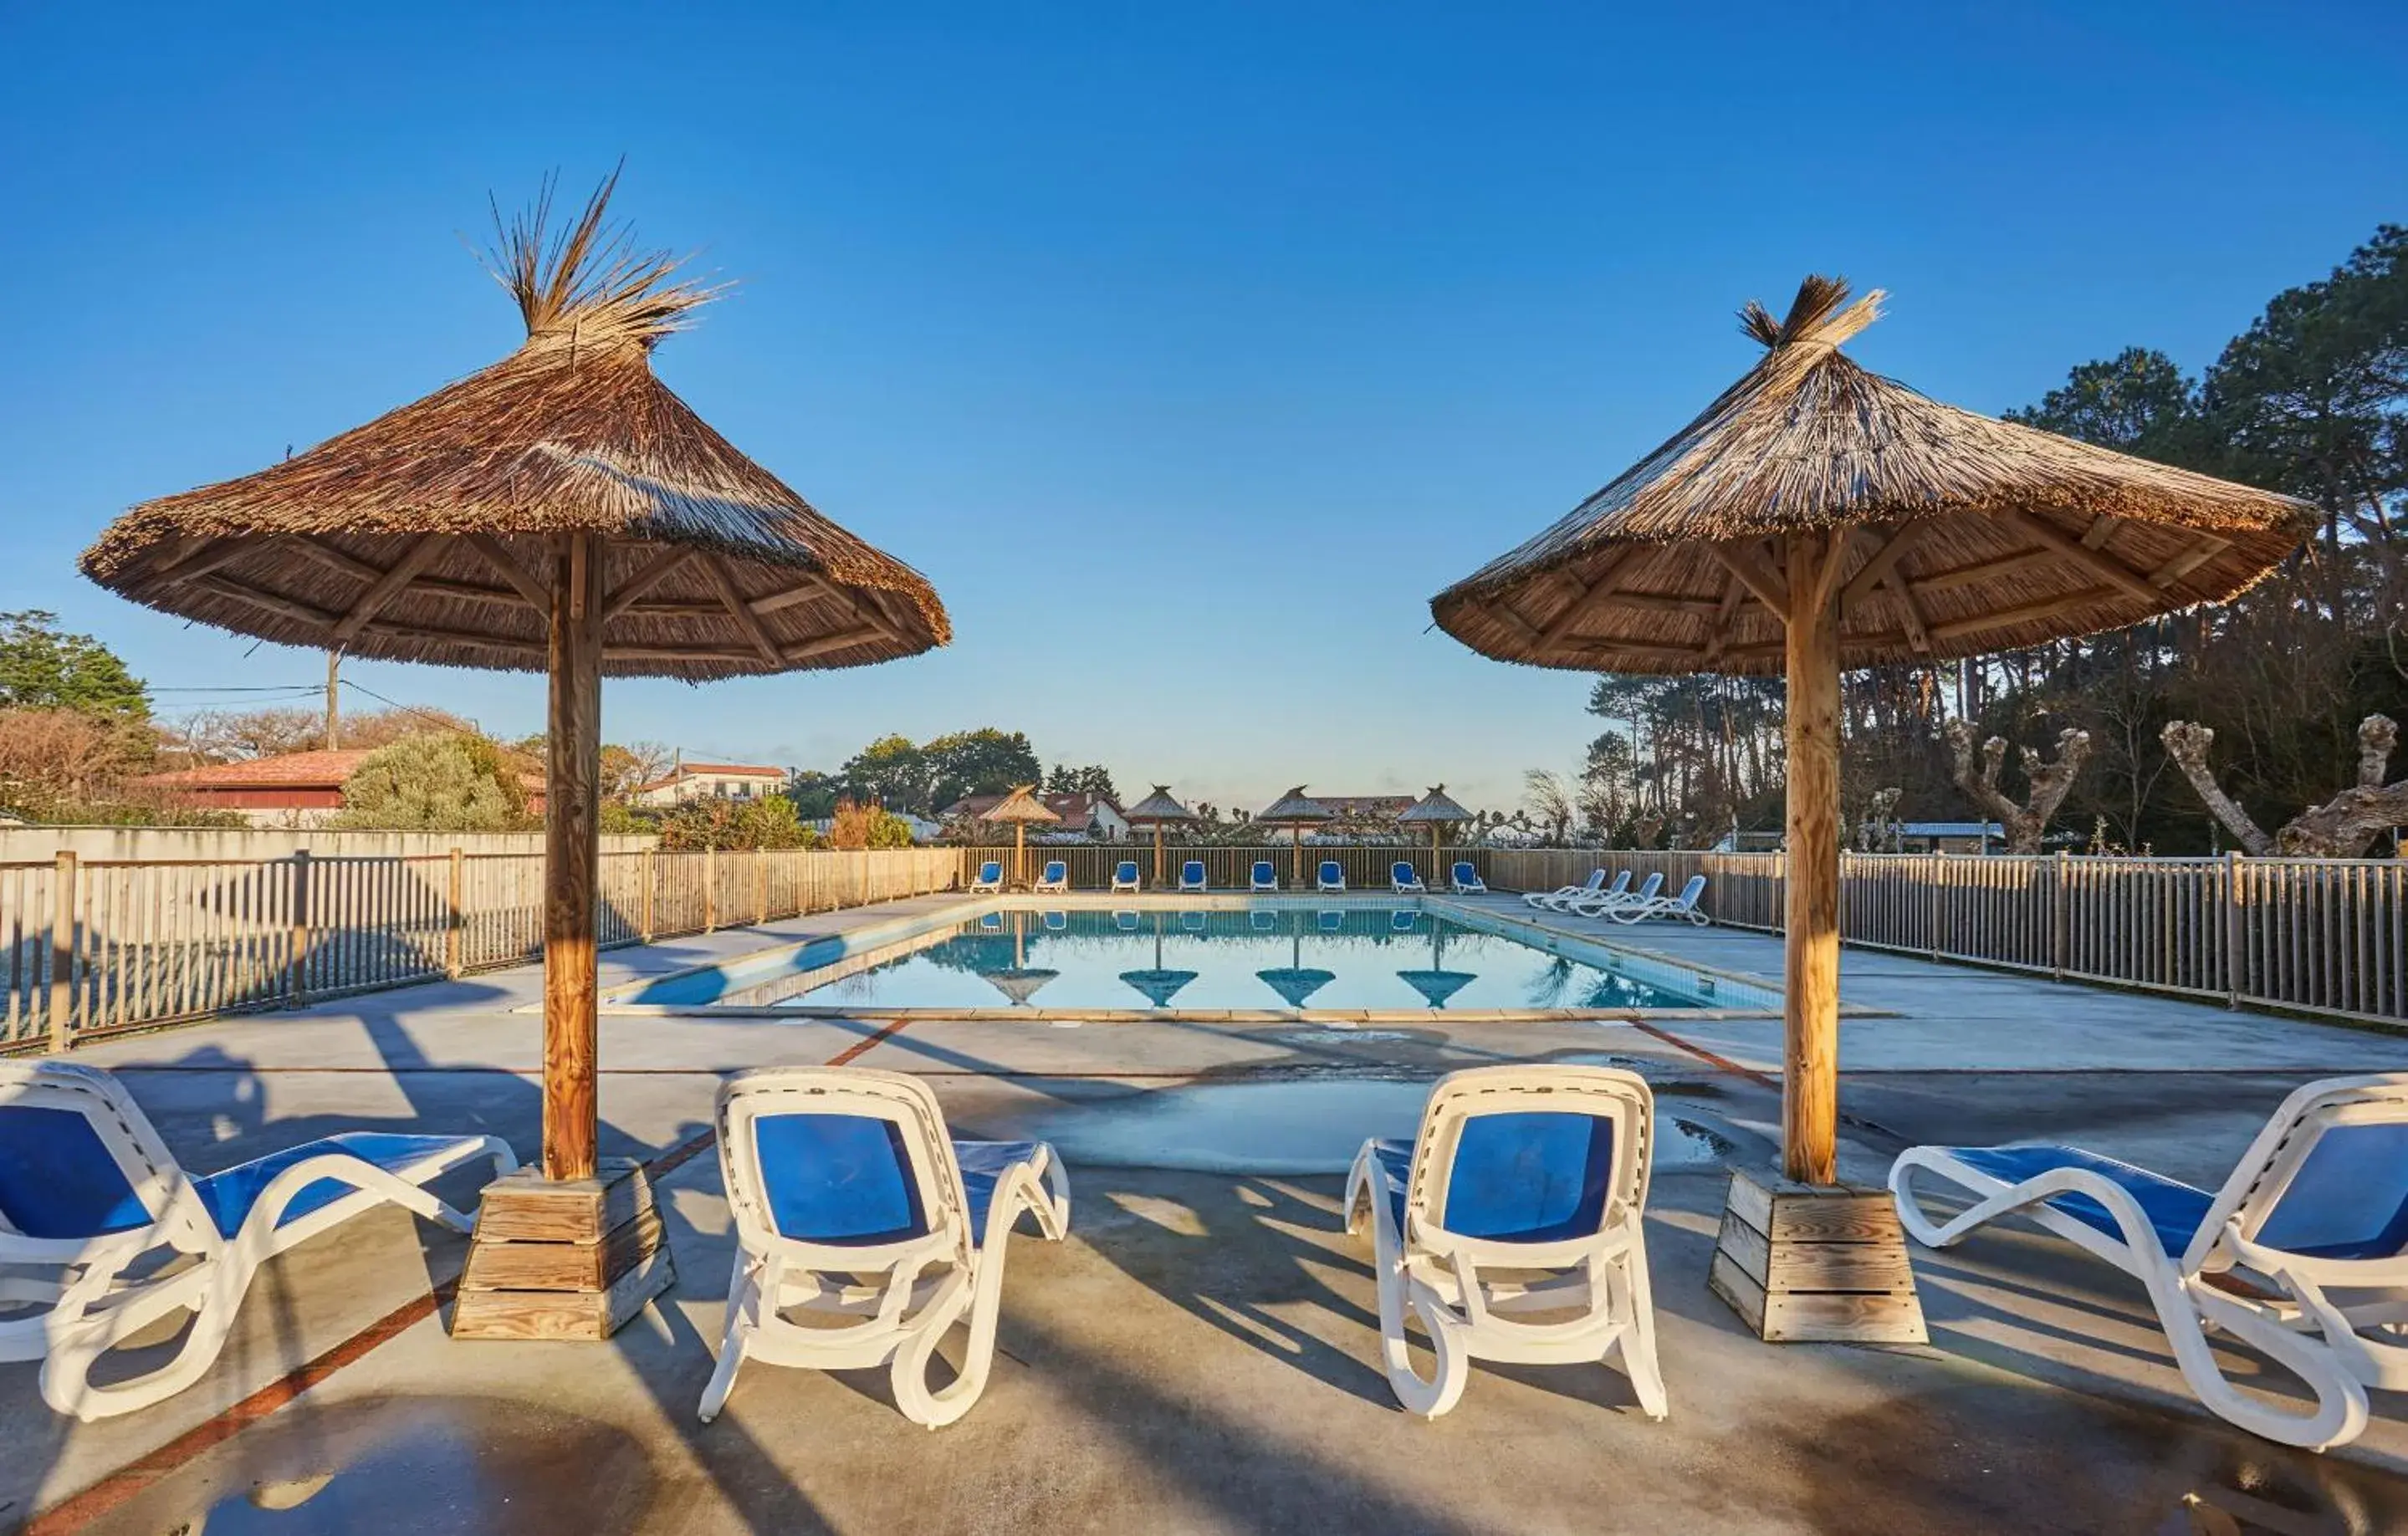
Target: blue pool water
(1359, 957)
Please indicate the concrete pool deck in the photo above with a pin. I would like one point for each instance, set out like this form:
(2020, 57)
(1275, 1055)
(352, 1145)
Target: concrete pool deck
(1201, 1353)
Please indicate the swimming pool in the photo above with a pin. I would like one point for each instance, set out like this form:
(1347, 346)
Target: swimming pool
(1278, 955)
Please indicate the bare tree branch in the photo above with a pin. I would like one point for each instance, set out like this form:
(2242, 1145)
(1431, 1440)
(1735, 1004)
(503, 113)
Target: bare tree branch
(2023, 824)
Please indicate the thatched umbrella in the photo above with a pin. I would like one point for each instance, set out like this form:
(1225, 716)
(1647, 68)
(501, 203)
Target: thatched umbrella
(1020, 808)
(1156, 810)
(1298, 810)
(562, 512)
(1818, 517)
(1439, 811)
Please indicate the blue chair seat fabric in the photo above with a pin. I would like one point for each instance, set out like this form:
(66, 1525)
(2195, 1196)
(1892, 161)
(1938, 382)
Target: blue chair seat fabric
(2174, 1209)
(983, 1166)
(57, 1180)
(229, 1196)
(1519, 1176)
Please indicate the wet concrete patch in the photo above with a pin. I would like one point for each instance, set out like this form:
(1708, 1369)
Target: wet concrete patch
(1290, 1126)
(430, 1466)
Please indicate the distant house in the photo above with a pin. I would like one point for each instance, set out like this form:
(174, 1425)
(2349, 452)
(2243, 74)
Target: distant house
(1948, 836)
(290, 789)
(689, 782)
(1096, 817)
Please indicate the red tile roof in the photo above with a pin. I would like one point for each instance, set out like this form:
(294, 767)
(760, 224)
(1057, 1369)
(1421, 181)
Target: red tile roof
(730, 770)
(288, 771)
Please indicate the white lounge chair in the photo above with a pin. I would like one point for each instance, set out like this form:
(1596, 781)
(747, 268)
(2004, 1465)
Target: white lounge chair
(1191, 876)
(1649, 907)
(854, 1205)
(1055, 878)
(1521, 1195)
(1329, 876)
(1465, 879)
(1607, 902)
(1404, 881)
(1263, 876)
(990, 879)
(1125, 875)
(2302, 1254)
(92, 1201)
(1553, 900)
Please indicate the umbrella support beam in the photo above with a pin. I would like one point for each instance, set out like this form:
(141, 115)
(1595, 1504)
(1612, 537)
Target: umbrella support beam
(1801, 1257)
(573, 1250)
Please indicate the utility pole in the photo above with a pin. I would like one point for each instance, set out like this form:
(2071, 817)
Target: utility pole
(334, 700)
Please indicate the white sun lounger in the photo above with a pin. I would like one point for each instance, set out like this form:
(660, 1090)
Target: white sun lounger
(1521, 1195)
(1329, 876)
(91, 1199)
(990, 877)
(1647, 907)
(1191, 876)
(1263, 878)
(1607, 902)
(2302, 1254)
(1404, 881)
(1554, 900)
(854, 1206)
(1465, 879)
(1125, 875)
(1055, 878)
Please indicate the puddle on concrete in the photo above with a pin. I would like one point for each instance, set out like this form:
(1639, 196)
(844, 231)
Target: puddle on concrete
(430, 1466)
(1292, 1127)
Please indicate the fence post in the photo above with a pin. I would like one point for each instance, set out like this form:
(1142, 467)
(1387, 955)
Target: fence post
(760, 886)
(2059, 932)
(458, 901)
(710, 888)
(62, 948)
(297, 980)
(1936, 873)
(648, 895)
(2232, 928)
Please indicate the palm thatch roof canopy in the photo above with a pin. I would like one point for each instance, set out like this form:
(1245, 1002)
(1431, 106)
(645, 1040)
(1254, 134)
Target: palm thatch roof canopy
(1021, 805)
(425, 535)
(1437, 806)
(1157, 808)
(1295, 805)
(1962, 534)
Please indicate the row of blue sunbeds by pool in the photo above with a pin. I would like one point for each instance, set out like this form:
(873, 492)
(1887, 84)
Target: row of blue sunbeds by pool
(1463, 879)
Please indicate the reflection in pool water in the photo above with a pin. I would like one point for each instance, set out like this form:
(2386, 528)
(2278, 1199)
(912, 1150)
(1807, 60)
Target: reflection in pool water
(1360, 956)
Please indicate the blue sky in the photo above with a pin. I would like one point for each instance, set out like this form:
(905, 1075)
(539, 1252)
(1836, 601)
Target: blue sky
(1188, 349)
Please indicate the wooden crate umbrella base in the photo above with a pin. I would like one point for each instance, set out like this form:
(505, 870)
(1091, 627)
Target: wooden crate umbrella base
(571, 1259)
(1804, 1263)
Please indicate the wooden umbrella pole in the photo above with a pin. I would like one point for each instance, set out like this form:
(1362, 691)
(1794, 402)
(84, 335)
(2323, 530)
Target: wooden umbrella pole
(572, 824)
(573, 1250)
(1158, 857)
(1810, 1095)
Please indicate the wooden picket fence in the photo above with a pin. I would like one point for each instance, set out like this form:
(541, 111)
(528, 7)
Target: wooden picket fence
(93, 947)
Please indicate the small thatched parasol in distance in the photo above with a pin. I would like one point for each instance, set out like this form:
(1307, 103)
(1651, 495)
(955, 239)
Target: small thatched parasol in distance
(560, 511)
(1818, 517)
(1157, 810)
(1438, 809)
(1298, 810)
(1020, 808)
